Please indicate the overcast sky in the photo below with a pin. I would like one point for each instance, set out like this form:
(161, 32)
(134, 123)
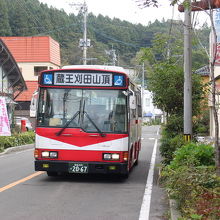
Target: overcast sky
(125, 10)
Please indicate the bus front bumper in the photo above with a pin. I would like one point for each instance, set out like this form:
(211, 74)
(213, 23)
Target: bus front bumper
(81, 167)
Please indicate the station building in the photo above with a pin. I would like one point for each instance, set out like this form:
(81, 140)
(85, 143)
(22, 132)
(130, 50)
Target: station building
(32, 55)
(12, 83)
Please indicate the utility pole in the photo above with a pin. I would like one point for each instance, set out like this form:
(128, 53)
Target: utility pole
(83, 43)
(142, 89)
(113, 55)
(84, 10)
(187, 73)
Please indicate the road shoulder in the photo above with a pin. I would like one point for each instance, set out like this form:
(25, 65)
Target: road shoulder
(17, 149)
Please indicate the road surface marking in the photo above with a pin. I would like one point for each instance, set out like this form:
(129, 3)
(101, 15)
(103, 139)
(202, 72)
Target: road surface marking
(158, 131)
(145, 207)
(20, 181)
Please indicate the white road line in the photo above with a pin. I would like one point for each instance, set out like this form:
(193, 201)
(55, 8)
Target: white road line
(158, 131)
(145, 207)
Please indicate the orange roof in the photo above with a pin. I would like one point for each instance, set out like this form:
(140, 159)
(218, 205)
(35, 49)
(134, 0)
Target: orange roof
(27, 95)
(34, 49)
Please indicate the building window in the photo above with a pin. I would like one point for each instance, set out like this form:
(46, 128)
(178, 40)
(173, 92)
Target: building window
(38, 69)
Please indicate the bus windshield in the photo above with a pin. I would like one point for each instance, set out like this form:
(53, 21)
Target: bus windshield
(90, 110)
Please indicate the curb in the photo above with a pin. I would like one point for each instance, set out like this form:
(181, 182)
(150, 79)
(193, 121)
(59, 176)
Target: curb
(174, 213)
(17, 148)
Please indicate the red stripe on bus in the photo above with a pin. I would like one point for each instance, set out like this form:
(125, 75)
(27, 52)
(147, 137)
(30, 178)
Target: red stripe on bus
(77, 137)
(80, 155)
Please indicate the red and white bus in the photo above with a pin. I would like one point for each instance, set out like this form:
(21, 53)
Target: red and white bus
(88, 121)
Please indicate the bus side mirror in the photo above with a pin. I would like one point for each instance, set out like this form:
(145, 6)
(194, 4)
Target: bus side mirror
(132, 102)
(33, 106)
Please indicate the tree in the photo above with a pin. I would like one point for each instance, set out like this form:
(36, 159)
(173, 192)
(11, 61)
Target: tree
(5, 29)
(147, 3)
(166, 78)
(207, 6)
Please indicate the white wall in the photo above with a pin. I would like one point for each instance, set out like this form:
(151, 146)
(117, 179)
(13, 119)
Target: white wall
(27, 69)
(148, 106)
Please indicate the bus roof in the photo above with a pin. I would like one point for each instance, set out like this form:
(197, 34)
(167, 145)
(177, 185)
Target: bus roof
(95, 67)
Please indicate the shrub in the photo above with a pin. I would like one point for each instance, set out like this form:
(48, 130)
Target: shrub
(201, 123)
(191, 178)
(174, 125)
(16, 140)
(190, 186)
(169, 146)
(194, 155)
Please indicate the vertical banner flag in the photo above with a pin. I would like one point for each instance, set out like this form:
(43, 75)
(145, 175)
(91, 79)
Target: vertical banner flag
(4, 122)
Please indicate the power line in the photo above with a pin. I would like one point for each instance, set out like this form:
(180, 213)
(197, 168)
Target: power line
(114, 39)
(29, 13)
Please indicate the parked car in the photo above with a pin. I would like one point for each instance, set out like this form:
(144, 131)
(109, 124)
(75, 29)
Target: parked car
(28, 123)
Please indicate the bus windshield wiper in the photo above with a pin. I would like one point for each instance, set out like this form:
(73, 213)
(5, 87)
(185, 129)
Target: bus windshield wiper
(93, 123)
(67, 124)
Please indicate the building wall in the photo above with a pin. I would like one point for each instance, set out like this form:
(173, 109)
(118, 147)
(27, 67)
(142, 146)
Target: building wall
(54, 52)
(212, 122)
(4, 83)
(28, 69)
(149, 108)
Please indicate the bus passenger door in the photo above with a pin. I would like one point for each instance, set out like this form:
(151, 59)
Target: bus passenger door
(133, 126)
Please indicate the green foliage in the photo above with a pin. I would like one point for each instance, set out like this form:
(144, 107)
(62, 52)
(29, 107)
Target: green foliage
(193, 155)
(201, 123)
(191, 179)
(30, 17)
(174, 125)
(167, 76)
(5, 29)
(196, 189)
(16, 140)
(169, 145)
(170, 76)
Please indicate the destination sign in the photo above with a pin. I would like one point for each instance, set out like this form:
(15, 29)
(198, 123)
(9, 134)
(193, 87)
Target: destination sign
(82, 79)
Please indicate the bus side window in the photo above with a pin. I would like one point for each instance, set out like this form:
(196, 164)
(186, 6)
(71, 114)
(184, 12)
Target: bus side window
(139, 104)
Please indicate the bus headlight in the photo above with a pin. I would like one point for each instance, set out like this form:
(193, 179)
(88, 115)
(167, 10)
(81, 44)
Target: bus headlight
(115, 156)
(45, 154)
(111, 156)
(49, 154)
(107, 156)
(53, 154)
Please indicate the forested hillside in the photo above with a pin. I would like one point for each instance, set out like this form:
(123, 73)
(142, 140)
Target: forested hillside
(32, 18)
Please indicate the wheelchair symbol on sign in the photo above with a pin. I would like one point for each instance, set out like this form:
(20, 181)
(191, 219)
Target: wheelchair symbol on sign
(47, 79)
(118, 81)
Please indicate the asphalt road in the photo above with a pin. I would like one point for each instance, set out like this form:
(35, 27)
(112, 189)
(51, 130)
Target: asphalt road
(78, 197)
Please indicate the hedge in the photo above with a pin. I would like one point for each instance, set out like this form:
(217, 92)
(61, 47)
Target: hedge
(16, 140)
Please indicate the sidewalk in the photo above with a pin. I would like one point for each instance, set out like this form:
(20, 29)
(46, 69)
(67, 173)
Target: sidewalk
(18, 148)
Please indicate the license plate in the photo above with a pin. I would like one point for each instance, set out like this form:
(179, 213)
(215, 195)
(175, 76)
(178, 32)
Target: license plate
(78, 168)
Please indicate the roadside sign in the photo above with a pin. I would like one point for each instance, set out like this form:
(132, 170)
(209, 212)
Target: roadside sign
(4, 122)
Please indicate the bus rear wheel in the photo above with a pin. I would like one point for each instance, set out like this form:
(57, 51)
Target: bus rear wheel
(52, 173)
